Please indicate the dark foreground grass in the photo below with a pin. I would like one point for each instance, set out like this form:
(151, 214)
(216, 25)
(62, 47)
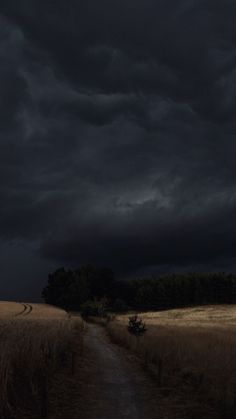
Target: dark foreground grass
(33, 355)
(194, 366)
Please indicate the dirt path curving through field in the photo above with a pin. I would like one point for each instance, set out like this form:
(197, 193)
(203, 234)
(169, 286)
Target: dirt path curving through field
(115, 388)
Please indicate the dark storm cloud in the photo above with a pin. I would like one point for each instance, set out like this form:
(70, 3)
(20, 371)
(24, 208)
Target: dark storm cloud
(117, 131)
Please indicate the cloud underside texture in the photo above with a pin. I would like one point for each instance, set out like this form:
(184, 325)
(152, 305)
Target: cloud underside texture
(117, 131)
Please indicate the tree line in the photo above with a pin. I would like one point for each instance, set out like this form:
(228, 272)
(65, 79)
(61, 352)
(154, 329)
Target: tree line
(72, 289)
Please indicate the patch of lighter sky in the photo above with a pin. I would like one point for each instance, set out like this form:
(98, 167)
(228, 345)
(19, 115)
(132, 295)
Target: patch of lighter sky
(134, 199)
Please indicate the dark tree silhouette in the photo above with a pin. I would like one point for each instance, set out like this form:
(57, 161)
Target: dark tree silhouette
(70, 289)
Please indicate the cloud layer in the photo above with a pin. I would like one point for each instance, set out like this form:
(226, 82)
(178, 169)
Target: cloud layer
(117, 132)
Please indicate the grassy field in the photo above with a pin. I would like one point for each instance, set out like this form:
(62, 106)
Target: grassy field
(192, 355)
(204, 316)
(10, 309)
(38, 344)
(189, 352)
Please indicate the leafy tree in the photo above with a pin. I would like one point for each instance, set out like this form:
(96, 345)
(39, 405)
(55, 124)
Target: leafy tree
(57, 288)
(99, 280)
(120, 306)
(94, 308)
(69, 289)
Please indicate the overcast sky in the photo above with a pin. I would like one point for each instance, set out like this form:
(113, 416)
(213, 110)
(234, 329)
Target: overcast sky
(117, 137)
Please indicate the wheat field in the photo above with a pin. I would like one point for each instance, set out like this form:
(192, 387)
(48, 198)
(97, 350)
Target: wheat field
(204, 316)
(192, 354)
(36, 342)
(9, 309)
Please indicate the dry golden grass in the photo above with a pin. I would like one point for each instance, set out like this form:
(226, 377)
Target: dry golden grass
(34, 347)
(9, 309)
(203, 316)
(46, 312)
(192, 352)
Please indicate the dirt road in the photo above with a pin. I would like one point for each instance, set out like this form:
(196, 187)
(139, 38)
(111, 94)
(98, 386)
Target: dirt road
(115, 387)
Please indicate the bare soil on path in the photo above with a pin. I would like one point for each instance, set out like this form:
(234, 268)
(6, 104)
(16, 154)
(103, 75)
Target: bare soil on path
(115, 388)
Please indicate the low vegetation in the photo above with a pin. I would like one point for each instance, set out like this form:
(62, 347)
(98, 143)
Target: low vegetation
(136, 326)
(34, 348)
(192, 355)
(190, 350)
(10, 309)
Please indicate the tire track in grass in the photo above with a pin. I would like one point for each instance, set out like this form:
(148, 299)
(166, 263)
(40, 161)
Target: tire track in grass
(27, 308)
(23, 311)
